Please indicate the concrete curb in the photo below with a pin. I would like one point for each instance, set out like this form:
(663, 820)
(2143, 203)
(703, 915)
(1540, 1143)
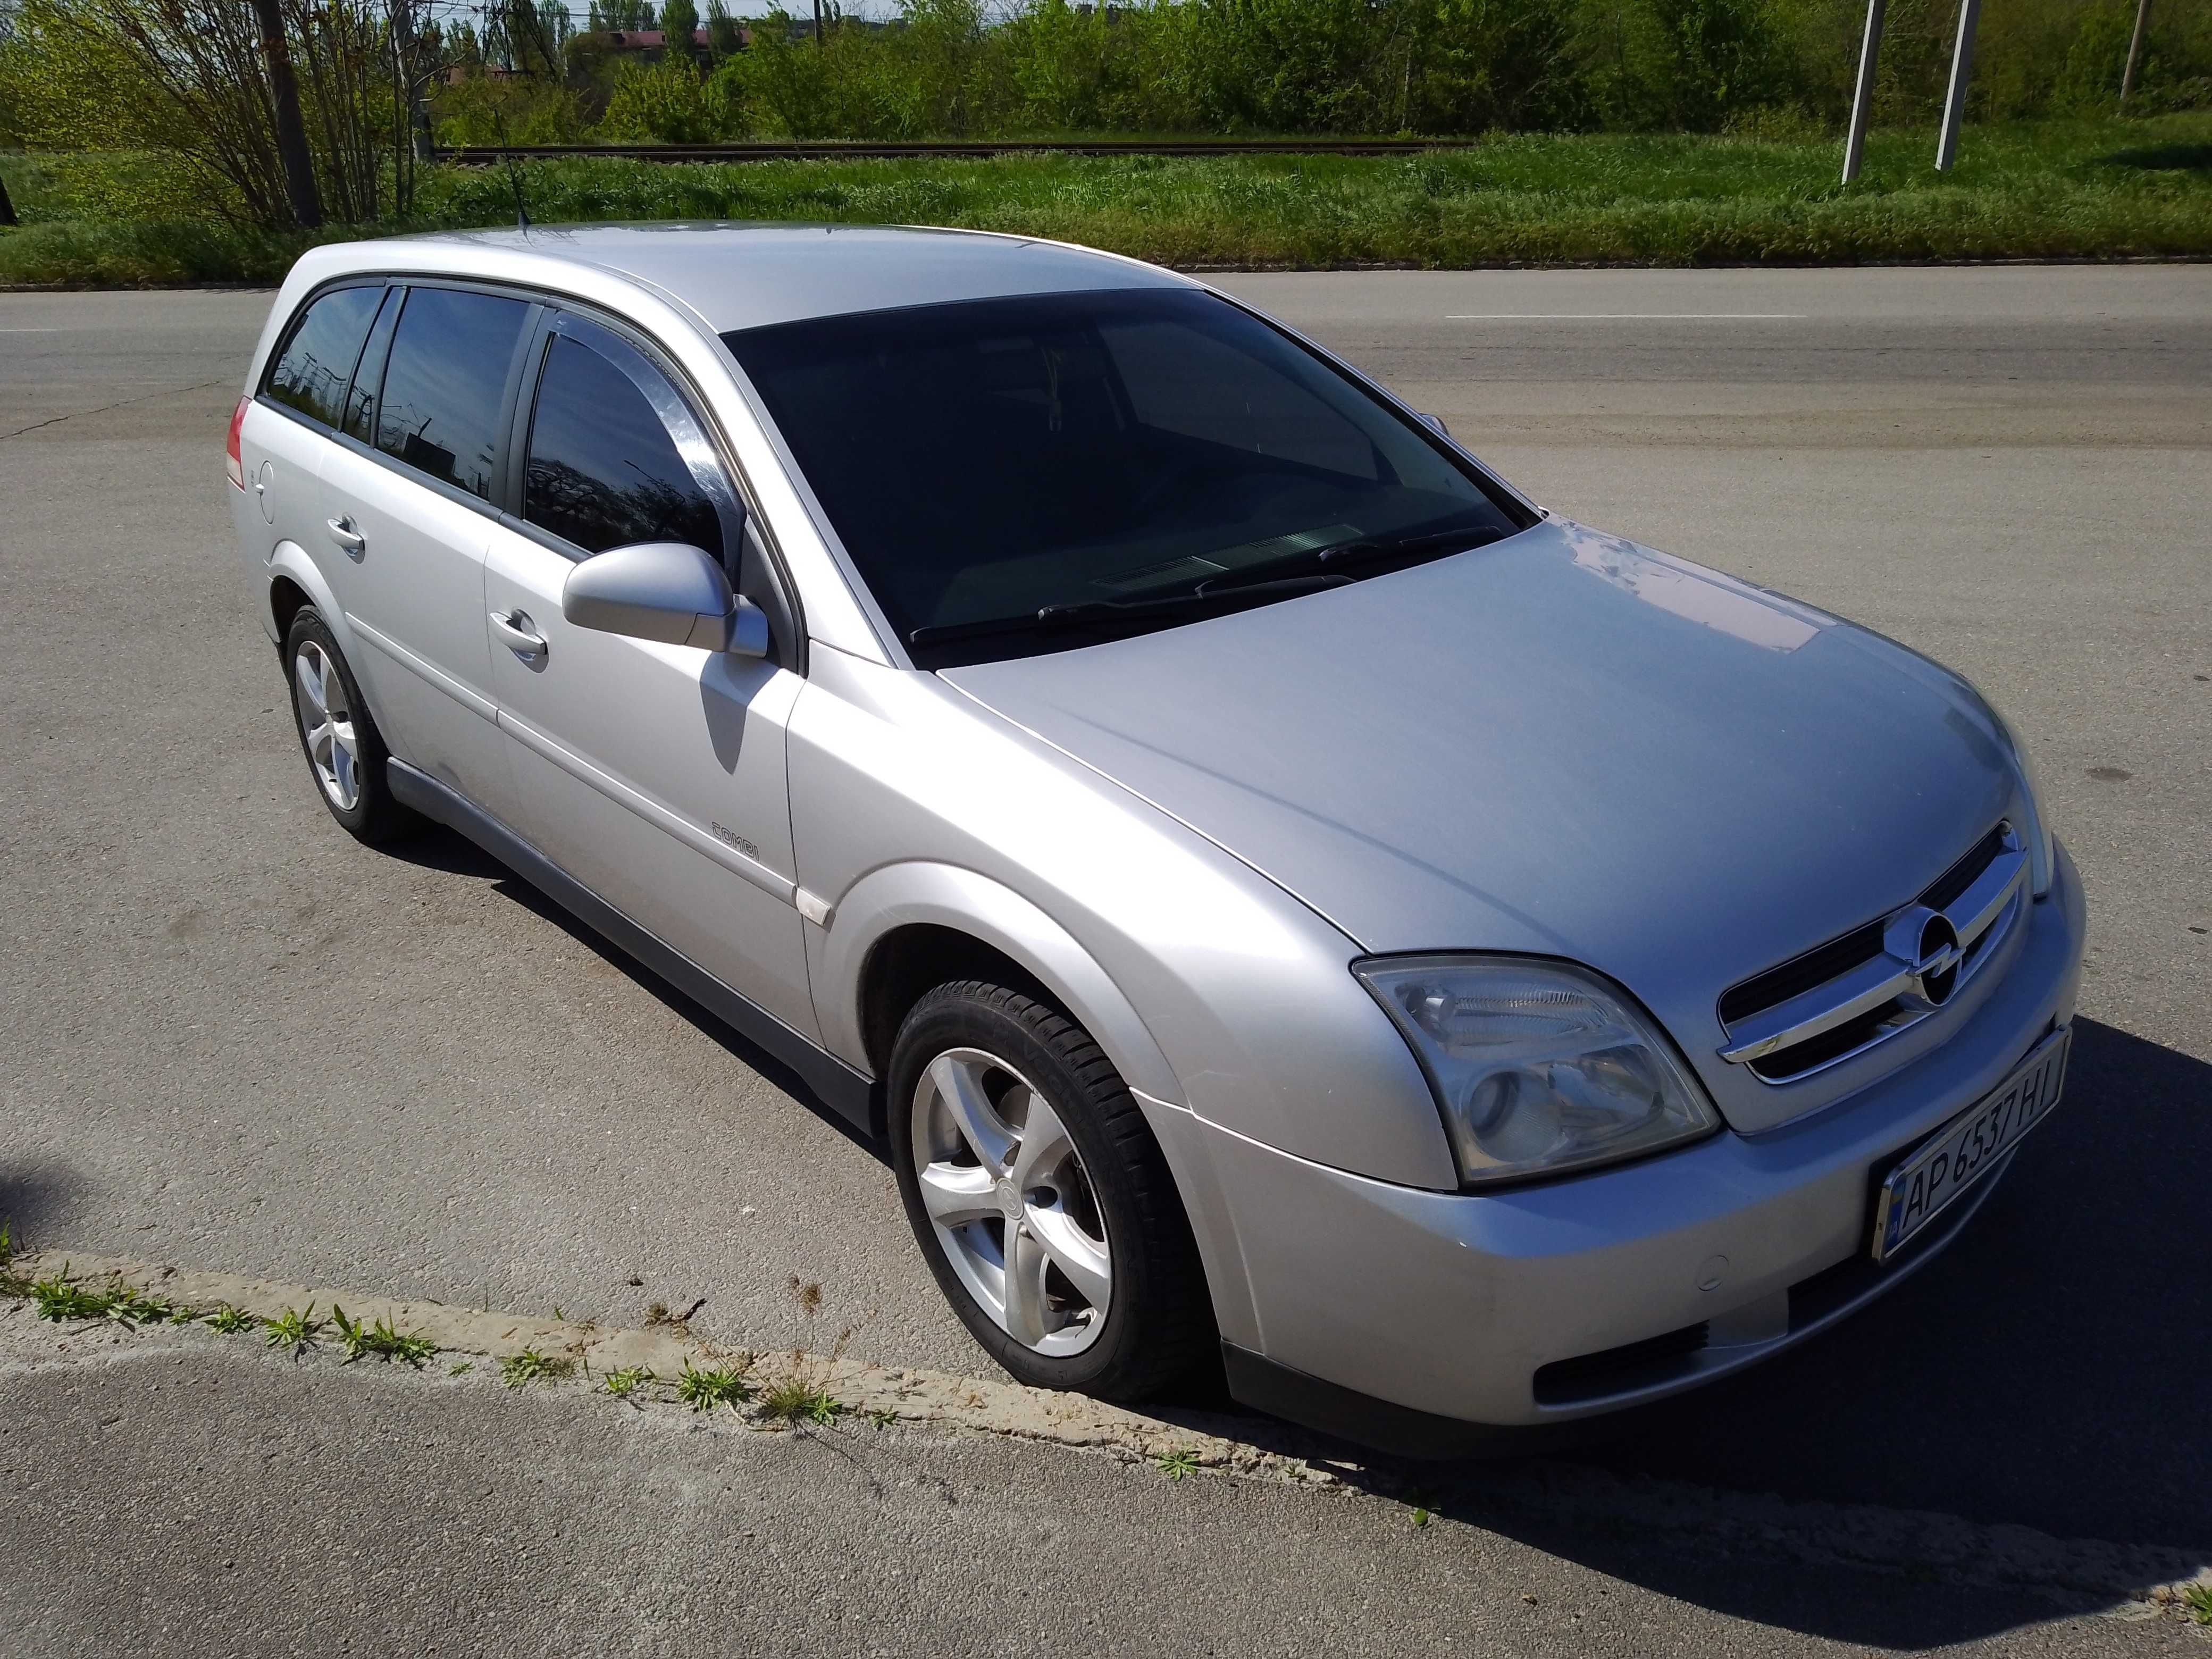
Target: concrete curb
(2131, 1580)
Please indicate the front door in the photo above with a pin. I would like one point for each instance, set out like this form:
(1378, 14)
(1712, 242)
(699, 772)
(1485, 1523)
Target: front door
(653, 774)
(407, 562)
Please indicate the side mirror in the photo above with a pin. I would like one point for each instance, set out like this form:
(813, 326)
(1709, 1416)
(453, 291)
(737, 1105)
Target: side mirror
(669, 591)
(1435, 423)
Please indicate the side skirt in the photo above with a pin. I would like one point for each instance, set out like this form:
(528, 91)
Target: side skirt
(847, 1091)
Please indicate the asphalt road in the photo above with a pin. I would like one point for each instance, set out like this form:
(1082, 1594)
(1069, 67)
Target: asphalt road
(239, 1040)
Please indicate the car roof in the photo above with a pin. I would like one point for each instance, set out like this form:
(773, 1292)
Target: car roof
(749, 276)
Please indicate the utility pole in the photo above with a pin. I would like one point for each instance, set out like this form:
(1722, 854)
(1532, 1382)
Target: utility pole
(2135, 50)
(291, 131)
(817, 24)
(1862, 98)
(1962, 66)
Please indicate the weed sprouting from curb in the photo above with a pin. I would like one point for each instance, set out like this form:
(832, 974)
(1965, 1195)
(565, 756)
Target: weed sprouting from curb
(2197, 1602)
(461, 1368)
(518, 1370)
(381, 1340)
(1176, 1464)
(882, 1419)
(799, 1392)
(294, 1328)
(62, 1298)
(623, 1384)
(797, 1398)
(703, 1390)
(229, 1320)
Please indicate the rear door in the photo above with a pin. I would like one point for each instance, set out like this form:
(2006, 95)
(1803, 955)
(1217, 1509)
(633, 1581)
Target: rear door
(301, 404)
(653, 774)
(408, 488)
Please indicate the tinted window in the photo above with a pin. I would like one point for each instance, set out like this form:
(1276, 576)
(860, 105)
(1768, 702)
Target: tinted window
(615, 455)
(445, 383)
(985, 461)
(311, 374)
(368, 378)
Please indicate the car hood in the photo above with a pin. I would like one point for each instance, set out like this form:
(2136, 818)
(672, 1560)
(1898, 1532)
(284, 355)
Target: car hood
(1562, 744)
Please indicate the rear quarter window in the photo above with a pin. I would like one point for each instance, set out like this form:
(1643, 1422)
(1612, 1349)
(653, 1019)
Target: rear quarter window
(317, 362)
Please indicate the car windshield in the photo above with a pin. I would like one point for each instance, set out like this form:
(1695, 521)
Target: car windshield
(1016, 476)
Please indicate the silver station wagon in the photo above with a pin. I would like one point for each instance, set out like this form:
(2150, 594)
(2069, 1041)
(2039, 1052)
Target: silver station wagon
(1285, 902)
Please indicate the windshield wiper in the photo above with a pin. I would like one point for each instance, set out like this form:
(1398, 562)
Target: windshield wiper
(1370, 550)
(1256, 584)
(1209, 597)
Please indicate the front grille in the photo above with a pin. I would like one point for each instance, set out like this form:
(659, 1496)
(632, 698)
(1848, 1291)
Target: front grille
(1837, 999)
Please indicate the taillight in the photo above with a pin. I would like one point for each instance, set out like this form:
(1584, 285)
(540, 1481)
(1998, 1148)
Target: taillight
(230, 445)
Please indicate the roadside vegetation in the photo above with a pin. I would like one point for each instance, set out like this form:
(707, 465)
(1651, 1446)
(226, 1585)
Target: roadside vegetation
(2027, 190)
(148, 142)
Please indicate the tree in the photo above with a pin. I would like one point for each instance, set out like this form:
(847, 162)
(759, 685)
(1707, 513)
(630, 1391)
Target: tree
(724, 39)
(291, 131)
(679, 22)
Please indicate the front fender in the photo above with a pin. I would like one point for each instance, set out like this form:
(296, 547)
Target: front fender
(943, 895)
(905, 894)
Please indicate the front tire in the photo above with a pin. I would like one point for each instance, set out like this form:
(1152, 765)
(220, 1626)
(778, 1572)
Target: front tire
(1040, 1198)
(345, 752)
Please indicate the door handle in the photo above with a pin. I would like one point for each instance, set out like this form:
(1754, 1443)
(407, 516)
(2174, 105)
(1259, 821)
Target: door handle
(520, 638)
(347, 534)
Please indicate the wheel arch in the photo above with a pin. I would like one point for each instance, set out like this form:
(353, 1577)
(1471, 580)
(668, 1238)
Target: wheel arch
(897, 927)
(906, 927)
(294, 583)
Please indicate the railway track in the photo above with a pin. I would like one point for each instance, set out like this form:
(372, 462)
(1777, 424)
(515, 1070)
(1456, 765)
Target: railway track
(494, 155)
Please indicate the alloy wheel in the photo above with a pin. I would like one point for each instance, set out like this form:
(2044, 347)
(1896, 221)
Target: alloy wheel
(1007, 1192)
(326, 725)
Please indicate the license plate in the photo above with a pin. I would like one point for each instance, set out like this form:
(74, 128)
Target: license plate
(1966, 1148)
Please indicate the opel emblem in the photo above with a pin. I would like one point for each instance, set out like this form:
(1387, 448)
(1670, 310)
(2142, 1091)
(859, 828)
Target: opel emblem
(1928, 945)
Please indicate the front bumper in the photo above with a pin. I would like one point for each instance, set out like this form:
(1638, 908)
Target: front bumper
(1549, 1303)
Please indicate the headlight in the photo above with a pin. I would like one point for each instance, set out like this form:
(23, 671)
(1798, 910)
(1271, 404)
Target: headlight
(1538, 1068)
(2039, 856)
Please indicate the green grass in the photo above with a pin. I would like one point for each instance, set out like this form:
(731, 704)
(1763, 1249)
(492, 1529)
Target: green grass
(703, 1390)
(381, 1341)
(518, 1370)
(1176, 1464)
(797, 1398)
(2197, 1602)
(229, 1320)
(61, 1297)
(2056, 188)
(626, 1382)
(294, 1328)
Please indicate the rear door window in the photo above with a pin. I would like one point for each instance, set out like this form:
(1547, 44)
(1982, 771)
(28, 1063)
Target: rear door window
(616, 455)
(318, 363)
(445, 383)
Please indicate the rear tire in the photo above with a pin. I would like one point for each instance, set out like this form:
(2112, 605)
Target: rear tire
(345, 752)
(1009, 1127)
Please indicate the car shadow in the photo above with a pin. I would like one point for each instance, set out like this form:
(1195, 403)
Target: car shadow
(2048, 1371)
(440, 848)
(34, 1198)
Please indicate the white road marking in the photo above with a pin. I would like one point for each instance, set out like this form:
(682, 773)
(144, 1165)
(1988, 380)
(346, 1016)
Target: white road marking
(29, 330)
(1627, 317)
